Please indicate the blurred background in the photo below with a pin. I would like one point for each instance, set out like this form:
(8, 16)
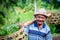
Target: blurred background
(14, 11)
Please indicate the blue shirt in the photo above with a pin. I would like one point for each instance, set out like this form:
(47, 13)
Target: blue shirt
(34, 33)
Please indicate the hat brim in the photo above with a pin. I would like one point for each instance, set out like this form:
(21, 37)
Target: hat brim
(41, 14)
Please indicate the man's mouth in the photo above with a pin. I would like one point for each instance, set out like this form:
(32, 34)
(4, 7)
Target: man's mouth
(40, 21)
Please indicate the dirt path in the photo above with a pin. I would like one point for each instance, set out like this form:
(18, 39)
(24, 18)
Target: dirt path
(56, 37)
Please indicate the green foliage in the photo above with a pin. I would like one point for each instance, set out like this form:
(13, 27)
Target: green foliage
(8, 3)
(3, 32)
(53, 28)
(9, 29)
(2, 19)
(56, 3)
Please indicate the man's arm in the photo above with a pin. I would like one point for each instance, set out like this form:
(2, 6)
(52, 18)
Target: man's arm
(48, 36)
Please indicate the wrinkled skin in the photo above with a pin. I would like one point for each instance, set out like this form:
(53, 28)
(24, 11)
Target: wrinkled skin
(40, 19)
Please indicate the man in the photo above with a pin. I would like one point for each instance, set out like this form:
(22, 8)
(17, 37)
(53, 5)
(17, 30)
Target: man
(38, 29)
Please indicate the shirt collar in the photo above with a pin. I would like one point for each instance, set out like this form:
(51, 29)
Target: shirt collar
(35, 24)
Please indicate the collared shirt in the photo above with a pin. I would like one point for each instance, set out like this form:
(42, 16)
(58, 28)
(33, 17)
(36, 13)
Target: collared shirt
(34, 33)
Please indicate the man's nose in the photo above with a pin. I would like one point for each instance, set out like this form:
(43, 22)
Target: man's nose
(40, 19)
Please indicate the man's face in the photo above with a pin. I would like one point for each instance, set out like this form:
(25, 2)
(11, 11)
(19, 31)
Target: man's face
(40, 19)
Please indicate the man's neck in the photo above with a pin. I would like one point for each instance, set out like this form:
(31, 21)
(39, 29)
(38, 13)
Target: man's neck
(40, 26)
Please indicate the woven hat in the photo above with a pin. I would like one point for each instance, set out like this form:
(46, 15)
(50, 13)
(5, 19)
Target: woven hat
(42, 11)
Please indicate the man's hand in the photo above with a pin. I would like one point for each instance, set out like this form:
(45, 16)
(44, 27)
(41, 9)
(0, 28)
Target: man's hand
(21, 24)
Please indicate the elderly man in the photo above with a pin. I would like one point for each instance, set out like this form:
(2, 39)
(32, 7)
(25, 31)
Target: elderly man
(38, 29)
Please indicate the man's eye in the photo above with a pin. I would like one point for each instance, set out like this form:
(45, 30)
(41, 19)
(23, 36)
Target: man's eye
(42, 17)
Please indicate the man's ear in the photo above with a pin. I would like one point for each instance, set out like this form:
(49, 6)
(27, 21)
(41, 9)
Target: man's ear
(28, 22)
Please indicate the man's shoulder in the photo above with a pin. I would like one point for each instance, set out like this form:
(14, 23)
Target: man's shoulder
(47, 27)
(32, 25)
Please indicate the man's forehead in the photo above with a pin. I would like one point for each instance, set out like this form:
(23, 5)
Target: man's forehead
(40, 15)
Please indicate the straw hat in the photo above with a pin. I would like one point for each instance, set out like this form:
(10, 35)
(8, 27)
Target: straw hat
(42, 11)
